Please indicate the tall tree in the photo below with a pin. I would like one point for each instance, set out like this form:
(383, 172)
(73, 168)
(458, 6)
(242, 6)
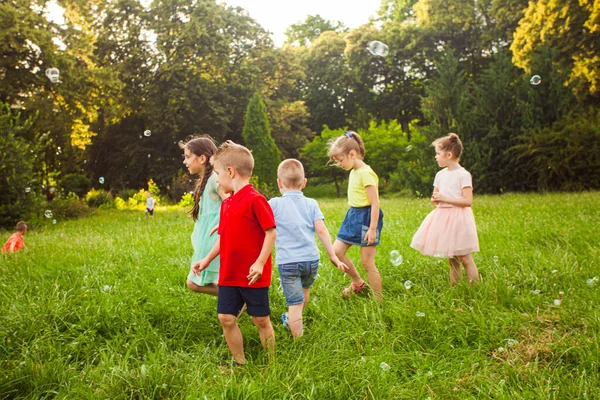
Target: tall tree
(573, 28)
(257, 137)
(304, 33)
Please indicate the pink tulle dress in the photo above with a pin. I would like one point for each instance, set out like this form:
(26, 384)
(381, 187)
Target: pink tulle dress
(448, 230)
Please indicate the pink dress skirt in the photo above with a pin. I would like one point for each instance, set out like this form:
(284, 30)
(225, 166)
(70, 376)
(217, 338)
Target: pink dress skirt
(447, 231)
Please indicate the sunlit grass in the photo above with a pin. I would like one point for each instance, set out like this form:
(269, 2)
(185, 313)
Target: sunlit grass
(98, 308)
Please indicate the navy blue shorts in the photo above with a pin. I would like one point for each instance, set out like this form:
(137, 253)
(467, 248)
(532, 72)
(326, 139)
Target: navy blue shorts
(356, 224)
(232, 298)
(295, 277)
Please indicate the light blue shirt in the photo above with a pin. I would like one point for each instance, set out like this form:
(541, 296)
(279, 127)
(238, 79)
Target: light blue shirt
(295, 217)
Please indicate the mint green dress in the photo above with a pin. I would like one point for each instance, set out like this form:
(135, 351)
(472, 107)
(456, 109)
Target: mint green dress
(208, 218)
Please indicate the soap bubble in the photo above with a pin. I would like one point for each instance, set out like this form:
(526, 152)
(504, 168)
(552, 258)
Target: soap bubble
(557, 302)
(536, 291)
(101, 180)
(407, 284)
(535, 80)
(384, 366)
(395, 258)
(592, 281)
(317, 31)
(409, 148)
(495, 259)
(48, 213)
(27, 189)
(511, 342)
(149, 156)
(53, 74)
(420, 314)
(147, 133)
(54, 221)
(377, 48)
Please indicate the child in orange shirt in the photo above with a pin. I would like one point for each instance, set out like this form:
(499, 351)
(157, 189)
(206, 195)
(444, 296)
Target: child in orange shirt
(16, 242)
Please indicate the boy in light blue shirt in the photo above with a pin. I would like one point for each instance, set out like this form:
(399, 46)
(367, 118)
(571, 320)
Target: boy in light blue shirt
(297, 219)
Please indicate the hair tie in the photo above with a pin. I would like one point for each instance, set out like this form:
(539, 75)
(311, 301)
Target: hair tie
(348, 134)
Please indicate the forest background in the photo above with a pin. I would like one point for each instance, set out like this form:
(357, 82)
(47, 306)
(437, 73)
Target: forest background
(136, 80)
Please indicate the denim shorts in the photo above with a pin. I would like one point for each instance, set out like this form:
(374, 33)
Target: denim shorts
(295, 277)
(356, 224)
(231, 299)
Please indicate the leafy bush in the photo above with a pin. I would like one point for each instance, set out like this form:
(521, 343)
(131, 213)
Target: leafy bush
(565, 156)
(95, 198)
(120, 203)
(69, 207)
(187, 201)
(75, 183)
(125, 194)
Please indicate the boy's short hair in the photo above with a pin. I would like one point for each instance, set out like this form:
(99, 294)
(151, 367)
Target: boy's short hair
(231, 154)
(21, 226)
(291, 173)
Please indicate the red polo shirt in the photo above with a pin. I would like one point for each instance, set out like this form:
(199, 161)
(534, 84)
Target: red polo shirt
(245, 216)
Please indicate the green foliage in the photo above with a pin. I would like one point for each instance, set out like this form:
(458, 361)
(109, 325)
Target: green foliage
(565, 156)
(316, 162)
(75, 183)
(572, 28)
(69, 207)
(187, 201)
(257, 137)
(98, 197)
(17, 159)
(153, 189)
(302, 34)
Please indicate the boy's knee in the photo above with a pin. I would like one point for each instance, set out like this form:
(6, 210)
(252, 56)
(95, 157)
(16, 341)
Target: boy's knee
(227, 320)
(262, 322)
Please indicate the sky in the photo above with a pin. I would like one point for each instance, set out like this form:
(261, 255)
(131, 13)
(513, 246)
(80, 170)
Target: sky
(277, 15)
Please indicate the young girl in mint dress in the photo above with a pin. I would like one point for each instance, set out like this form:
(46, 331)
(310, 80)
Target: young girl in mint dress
(207, 204)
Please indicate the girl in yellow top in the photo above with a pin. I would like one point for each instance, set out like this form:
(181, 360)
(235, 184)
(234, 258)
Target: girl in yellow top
(364, 220)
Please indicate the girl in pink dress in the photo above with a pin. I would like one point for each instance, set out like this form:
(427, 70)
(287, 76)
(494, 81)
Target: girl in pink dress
(449, 230)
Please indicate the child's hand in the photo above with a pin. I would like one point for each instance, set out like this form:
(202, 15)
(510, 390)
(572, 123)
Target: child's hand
(200, 266)
(338, 263)
(255, 273)
(370, 237)
(213, 230)
(437, 196)
(434, 202)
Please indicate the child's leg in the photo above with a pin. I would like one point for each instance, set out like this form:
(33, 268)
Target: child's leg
(265, 331)
(233, 337)
(340, 249)
(295, 319)
(455, 271)
(367, 255)
(211, 288)
(470, 267)
(295, 312)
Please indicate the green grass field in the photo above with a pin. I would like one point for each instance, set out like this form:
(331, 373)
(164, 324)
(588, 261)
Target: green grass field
(98, 308)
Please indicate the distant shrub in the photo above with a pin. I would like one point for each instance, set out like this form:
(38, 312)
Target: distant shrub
(95, 198)
(120, 204)
(187, 201)
(69, 207)
(125, 194)
(75, 183)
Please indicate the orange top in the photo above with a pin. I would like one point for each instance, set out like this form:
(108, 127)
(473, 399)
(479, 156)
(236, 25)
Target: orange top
(14, 243)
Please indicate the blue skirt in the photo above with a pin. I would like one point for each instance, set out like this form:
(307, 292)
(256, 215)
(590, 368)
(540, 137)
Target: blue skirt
(356, 224)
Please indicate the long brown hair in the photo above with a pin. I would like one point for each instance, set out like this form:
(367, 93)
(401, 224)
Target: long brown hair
(201, 146)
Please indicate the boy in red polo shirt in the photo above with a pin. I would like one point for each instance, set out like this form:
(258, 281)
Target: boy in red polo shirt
(16, 242)
(247, 235)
